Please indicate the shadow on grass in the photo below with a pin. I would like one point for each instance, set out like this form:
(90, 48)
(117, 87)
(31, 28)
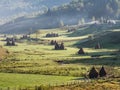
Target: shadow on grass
(99, 53)
(108, 60)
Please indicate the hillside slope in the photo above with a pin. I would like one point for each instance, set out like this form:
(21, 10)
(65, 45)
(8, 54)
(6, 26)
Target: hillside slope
(109, 39)
(70, 14)
(11, 9)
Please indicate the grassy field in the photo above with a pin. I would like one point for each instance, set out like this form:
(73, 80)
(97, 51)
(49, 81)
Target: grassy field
(111, 84)
(24, 80)
(33, 60)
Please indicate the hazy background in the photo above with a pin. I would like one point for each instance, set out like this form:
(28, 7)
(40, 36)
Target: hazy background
(15, 8)
(20, 16)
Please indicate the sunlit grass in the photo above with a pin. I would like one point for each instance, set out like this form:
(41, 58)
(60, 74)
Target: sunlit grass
(16, 80)
(31, 57)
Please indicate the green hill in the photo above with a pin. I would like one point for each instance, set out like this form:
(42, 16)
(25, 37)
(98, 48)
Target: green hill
(107, 39)
(70, 14)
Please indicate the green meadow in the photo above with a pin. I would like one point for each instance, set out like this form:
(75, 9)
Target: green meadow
(35, 62)
(25, 80)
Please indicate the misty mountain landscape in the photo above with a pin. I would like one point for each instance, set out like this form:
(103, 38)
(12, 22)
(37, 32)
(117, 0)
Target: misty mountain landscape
(17, 8)
(69, 12)
(60, 45)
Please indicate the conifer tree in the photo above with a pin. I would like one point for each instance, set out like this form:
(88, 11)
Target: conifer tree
(98, 46)
(81, 51)
(57, 46)
(8, 43)
(93, 73)
(102, 72)
(13, 42)
(52, 42)
(62, 46)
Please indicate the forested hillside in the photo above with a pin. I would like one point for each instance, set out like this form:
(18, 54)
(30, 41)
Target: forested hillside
(96, 8)
(11, 9)
(70, 14)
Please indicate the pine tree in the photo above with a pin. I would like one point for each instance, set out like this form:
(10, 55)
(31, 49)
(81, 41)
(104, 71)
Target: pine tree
(62, 46)
(52, 42)
(57, 46)
(98, 46)
(102, 72)
(8, 43)
(13, 42)
(81, 51)
(55, 42)
(7, 39)
(93, 73)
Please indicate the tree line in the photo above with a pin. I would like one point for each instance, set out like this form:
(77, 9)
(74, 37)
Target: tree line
(96, 8)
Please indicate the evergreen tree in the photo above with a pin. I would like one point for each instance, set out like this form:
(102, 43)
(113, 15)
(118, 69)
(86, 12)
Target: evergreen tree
(55, 42)
(57, 46)
(102, 72)
(62, 46)
(52, 42)
(93, 73)
(13, 42)
(81, 51)
(98, 46)
(8, 43)
(7, 39)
